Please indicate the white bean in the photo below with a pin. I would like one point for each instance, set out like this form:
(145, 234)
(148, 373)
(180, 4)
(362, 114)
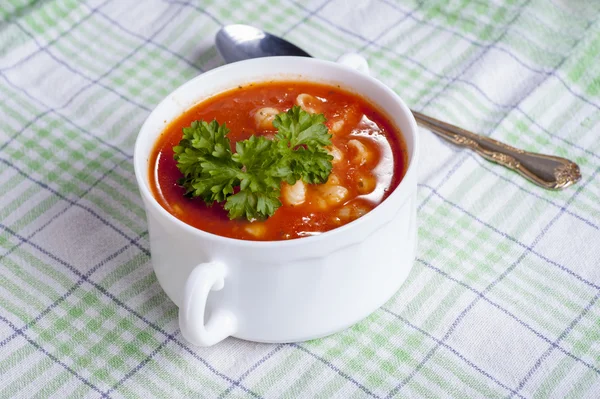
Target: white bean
(333, 194)
(345, 212)
(263, 118)
(321, 203)
(308, 103)
(293, 195)
(337, 126)
(256, 229)
(352, 211)
(333, 179)
(363, 154)
(365, 183)
(335, 153)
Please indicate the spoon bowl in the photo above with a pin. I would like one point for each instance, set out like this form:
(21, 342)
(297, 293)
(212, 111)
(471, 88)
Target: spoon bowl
(241, 42)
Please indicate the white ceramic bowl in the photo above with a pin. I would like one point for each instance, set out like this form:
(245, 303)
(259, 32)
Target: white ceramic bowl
(281, 291)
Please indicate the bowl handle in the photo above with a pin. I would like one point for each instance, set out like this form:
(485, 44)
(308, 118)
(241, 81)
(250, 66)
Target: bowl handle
(355, 61)
(222, 323)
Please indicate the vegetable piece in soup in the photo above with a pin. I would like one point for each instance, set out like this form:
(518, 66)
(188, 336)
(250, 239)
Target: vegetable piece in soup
(256, 162)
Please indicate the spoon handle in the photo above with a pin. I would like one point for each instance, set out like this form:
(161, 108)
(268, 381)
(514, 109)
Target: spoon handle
(547, 171)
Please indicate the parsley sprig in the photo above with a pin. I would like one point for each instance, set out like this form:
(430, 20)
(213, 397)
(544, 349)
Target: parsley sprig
(249, 180)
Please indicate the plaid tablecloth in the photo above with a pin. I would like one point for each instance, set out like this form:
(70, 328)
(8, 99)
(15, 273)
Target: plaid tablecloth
(503, 297)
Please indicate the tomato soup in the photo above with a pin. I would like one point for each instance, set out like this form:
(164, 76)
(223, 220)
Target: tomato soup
(369, 160)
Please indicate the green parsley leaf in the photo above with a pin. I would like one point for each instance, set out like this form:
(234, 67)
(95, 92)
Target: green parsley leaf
(297, 127)
(204, 158)
(249, 180)
(252, 206)
(313, 167)
(303, 136)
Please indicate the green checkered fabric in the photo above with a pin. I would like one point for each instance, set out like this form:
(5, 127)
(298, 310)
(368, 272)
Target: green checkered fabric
(503, 297)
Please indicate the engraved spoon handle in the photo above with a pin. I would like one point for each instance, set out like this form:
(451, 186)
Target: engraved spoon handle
(547, 171)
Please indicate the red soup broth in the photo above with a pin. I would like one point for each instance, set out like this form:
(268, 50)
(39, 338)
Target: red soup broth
(370, 160)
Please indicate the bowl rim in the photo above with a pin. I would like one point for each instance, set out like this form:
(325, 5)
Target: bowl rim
(330, 234)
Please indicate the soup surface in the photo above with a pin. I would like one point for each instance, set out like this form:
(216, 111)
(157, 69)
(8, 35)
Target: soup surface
(369, 160)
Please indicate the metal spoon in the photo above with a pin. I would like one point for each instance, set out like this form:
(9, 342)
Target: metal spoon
(240, 42)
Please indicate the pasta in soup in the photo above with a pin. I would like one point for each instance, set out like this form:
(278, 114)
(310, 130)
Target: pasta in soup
(321, 178)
